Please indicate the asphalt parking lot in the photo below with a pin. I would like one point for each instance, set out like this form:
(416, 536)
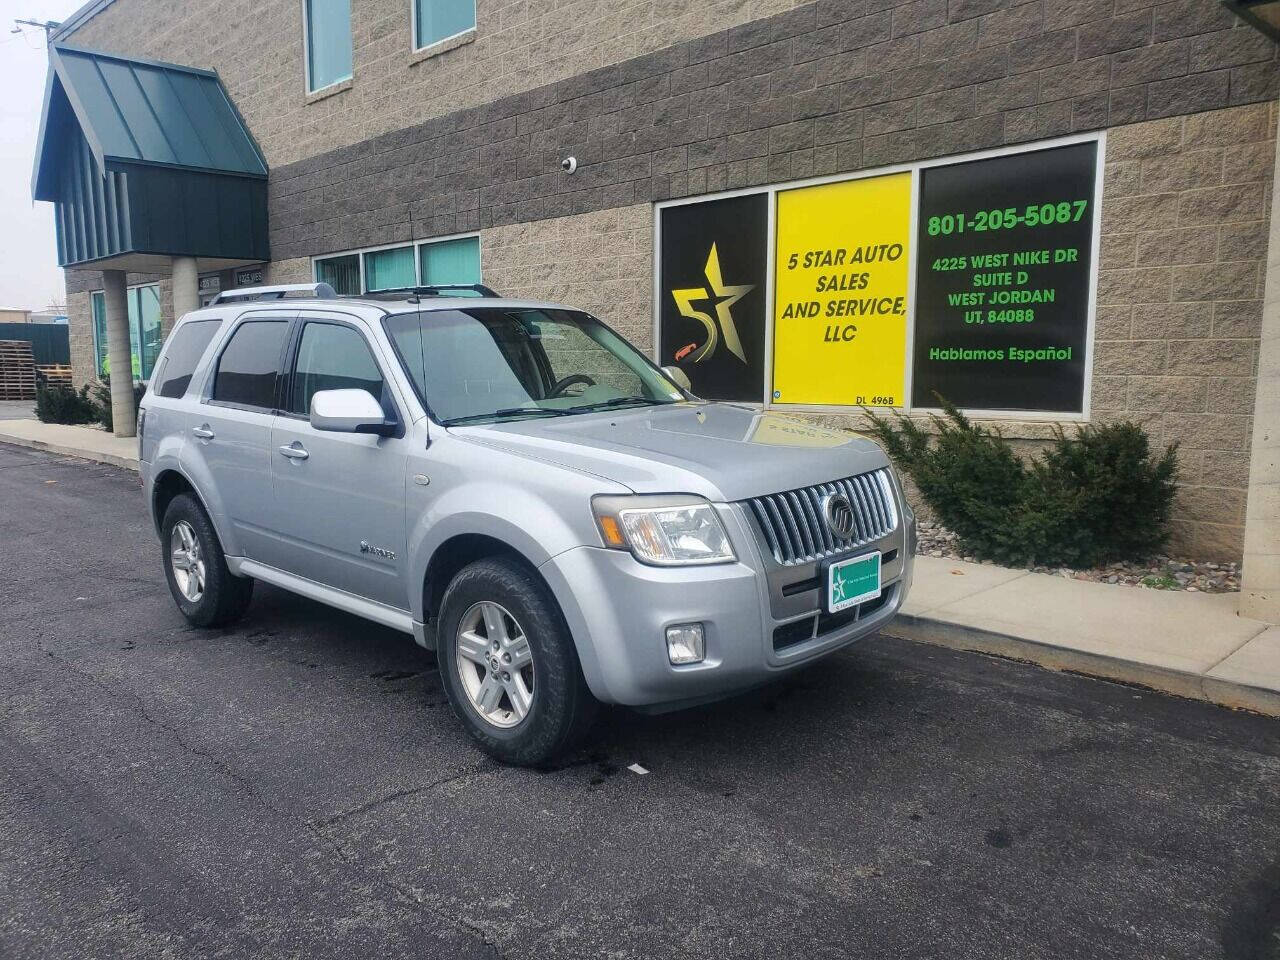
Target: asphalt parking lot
(298, 787)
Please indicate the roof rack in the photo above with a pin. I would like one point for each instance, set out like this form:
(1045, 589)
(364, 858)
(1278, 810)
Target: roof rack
(433, 290)
(321, 291)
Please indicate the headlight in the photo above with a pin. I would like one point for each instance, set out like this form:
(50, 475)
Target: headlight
(664, 530)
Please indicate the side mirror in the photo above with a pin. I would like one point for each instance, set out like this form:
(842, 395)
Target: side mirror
(680, 378)
(349, 411)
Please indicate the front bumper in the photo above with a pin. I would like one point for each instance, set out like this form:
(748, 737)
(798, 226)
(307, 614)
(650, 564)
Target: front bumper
(760, 619)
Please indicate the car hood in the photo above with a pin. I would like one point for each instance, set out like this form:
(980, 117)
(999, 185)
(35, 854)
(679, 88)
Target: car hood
(717, 450)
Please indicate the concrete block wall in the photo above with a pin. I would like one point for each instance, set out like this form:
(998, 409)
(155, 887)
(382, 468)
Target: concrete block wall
(517, 45)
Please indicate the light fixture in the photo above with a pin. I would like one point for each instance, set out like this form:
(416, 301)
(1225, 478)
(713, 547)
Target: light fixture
(686, 643)
(1262, 15)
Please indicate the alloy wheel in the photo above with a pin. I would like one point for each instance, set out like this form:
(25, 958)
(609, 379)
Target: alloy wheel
(495, 664)
(187, 561)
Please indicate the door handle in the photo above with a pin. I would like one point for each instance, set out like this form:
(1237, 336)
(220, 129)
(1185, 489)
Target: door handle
(202, 432)
(295, 451)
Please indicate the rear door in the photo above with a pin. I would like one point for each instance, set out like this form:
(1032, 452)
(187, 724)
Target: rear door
(165, 410)
(230, 431)
(340, 497)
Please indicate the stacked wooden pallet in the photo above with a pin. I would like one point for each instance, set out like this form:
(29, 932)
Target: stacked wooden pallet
(17, 370)
(54, 374)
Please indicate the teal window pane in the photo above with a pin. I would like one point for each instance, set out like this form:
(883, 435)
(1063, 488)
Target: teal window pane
(438, 19)
(150, 338)
(385, 269)
(451, 261)
(341, 273)
(135, 336)
(328, 42)
(98, 302)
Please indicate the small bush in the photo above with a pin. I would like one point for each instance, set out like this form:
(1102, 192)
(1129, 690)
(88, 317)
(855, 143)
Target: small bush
(1092, 498)
(58, 403)
(102, 402)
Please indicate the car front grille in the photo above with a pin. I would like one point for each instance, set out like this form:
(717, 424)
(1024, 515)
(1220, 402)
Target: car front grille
(793, 526)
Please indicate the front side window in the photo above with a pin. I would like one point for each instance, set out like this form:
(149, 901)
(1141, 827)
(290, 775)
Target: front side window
(183, 356)
(332, 357)
(249, 365)
(328, 33)
(437, 20)
(494, 363)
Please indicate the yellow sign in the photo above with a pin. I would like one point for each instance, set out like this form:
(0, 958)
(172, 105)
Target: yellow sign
(840, 297)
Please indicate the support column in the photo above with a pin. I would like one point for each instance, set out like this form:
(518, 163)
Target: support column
(1260, 582)
(124, 417)
(186, 287)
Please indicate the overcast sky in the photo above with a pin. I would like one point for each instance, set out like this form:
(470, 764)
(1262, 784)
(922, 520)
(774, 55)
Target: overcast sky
(29, 274)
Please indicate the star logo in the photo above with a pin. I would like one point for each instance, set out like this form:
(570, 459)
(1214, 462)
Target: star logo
(724, 296)
(839, 589)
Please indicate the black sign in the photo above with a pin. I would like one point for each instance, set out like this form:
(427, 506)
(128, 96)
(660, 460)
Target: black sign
(711, 319)
(1002, 281)
(249, 278)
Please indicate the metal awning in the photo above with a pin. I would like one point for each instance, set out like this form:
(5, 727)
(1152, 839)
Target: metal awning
(145, 161)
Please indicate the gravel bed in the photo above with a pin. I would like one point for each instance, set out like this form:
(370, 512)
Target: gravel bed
(1156, 573)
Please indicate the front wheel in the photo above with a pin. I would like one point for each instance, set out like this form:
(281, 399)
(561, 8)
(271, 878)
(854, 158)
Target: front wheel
(509, 666)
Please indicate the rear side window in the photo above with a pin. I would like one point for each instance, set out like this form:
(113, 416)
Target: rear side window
(249, 366)
(183, 355)
(332, 357)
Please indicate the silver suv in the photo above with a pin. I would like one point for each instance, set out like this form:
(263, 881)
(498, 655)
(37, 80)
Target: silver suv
(519, 488)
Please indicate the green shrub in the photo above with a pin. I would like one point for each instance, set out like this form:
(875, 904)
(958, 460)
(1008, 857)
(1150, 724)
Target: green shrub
(1095, 497)
(102, 402)
(58, 403)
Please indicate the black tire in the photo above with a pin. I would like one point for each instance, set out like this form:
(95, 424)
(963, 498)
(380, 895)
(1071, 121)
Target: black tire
(562, 708)
(225, 597)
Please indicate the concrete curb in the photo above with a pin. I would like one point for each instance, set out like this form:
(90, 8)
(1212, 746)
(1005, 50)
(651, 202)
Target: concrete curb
(1194, 686)
(77, 452)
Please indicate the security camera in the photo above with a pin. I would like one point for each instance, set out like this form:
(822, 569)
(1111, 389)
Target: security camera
(569, 164)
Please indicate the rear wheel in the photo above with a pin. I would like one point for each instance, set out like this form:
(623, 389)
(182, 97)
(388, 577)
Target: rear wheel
(509, 666)
(201, 583)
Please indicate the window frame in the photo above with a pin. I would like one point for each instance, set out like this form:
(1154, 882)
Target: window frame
(416, 245)
(135, 330)
(211, 378)
(293, 347)
(417, 47)
(310, 88)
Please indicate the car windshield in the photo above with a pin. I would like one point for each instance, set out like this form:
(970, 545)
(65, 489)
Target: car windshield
(485, 364)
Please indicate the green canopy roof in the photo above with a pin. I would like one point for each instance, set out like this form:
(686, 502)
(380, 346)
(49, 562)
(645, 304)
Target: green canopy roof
(146, 158)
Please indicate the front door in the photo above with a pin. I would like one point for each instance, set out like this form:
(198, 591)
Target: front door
(340, 497)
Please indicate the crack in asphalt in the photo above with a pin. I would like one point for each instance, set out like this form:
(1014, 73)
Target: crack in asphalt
(401, 794)
(461, 925)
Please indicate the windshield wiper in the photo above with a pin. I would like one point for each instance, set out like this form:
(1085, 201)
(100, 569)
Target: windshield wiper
(619, 401)
(506, 412)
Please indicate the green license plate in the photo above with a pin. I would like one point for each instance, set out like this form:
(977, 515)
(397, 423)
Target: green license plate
(853, 581)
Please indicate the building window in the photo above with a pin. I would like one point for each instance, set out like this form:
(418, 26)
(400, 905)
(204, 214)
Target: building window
(388, 269)
(341, 273)
(450, 261)
(145, 337)
(433, 263)
(436, 20)
(327, 30)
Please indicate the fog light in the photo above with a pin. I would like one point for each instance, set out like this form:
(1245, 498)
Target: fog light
(686, 643)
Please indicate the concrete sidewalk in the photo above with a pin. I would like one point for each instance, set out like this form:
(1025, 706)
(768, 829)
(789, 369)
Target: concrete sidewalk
(87, 443)
(1190, 644)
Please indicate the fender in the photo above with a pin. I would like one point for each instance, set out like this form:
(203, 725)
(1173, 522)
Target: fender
(514, 515)
(196, 473)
